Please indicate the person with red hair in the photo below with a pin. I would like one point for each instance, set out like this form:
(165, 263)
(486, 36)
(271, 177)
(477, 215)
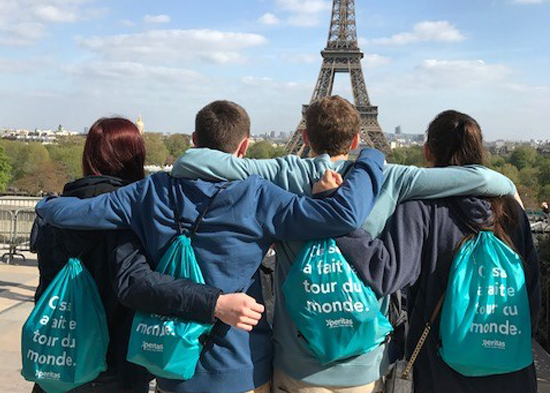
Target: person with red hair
(114, 156)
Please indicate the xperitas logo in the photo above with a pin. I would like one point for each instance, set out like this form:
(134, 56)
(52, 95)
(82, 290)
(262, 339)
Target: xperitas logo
(493, 344)
(47, 375)
(152, 347)
(338, 323)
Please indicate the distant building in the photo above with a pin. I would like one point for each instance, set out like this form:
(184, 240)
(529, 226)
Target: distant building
(398, 130)
(140, 125)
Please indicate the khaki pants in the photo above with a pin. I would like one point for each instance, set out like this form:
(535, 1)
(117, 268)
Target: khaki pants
(262, 389)
(282, 383)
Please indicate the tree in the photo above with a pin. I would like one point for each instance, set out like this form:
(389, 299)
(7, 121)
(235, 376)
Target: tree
(5, 169)
(157, 153)
(69, 156)
(511, 172)
(409, 156)
(261, 149)
(48, 177)
(176, 144)
(523, 157)
(496, 161)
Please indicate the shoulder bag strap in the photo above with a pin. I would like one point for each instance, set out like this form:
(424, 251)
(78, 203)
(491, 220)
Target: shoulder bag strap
(423, 337)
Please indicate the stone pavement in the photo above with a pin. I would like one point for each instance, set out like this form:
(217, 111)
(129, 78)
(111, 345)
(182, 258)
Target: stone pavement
(17, 285)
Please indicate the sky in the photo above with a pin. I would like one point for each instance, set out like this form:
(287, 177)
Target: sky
(70, 62)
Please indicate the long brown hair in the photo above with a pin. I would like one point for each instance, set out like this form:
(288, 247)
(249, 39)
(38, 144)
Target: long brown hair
(455, 139)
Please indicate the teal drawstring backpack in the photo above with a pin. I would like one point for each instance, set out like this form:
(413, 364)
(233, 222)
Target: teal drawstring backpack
(335, 312)
(170, 347)
(65, 339)
(485, 321)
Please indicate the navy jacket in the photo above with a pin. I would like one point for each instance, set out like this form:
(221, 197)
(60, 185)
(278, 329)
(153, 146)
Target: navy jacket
(416, 251)
(54, 247)
(241, 224)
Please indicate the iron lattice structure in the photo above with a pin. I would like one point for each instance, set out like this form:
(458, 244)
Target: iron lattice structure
(342, 54)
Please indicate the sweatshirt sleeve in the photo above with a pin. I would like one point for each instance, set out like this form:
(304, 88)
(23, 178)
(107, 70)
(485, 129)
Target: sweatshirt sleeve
(393, 261)
(286, 216)
(290, 172)
(140, 288)
(523, 241)
(433, 183)
(113, 210)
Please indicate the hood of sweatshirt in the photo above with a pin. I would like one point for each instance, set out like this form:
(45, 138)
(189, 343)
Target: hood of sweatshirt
(473, 210)
(91, 186)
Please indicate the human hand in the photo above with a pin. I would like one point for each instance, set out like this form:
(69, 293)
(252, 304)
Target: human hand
(329, 181)
(238, 310)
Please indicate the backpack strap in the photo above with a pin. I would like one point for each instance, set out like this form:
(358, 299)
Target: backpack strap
(198, 221)
(423, 337)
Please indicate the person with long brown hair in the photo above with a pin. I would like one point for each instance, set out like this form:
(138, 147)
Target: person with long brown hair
(114, 156)
(416, 251)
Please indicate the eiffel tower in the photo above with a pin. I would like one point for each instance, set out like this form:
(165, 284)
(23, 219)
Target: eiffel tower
(342, 54)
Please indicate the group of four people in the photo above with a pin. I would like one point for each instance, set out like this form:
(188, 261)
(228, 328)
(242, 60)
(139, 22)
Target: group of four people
(391, 243)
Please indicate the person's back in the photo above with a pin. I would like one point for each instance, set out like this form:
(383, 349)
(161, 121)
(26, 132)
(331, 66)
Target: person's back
(417, 249)
(55, 246)
(434, 231)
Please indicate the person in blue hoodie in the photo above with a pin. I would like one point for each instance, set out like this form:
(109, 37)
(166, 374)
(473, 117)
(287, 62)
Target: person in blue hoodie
(236, 232)
(332, 131)
(416, 251)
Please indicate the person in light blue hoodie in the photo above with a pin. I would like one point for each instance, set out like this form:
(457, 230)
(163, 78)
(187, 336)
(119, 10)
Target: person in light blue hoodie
(333, 126)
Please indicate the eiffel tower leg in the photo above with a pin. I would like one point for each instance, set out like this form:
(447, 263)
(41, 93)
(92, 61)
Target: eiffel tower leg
(358, 85)
(325, 82)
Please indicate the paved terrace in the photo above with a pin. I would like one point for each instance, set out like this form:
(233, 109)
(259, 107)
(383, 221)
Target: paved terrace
(17, 286)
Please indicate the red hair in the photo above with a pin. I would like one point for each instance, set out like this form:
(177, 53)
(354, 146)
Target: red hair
(114, 147)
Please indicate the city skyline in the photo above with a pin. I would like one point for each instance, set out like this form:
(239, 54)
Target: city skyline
(72, 61)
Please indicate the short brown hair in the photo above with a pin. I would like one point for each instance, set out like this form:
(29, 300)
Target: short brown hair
(332, 123)
(222, 125)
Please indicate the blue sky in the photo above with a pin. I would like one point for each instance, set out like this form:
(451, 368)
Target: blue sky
(71, 61)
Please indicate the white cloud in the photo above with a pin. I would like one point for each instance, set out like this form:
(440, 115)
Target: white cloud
(302, 58)
(21, 66)
(426, 31)
(304, 13)
(50, 13)
(269, 19)
(304, 6)
(175, 45)
(269, 83)
(24, 22)
(115, 71)
(157, 19)
(460, 73)
(530, 1)
(374, 60)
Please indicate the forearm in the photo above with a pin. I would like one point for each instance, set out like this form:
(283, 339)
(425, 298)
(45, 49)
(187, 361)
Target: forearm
(375, 265)
(433, 183)
(140, 288)
(102, 212)
(289, 172)
(306, 218)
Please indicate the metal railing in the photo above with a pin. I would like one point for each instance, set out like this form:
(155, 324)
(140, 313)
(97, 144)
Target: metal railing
(15, 232)
(18, 202)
